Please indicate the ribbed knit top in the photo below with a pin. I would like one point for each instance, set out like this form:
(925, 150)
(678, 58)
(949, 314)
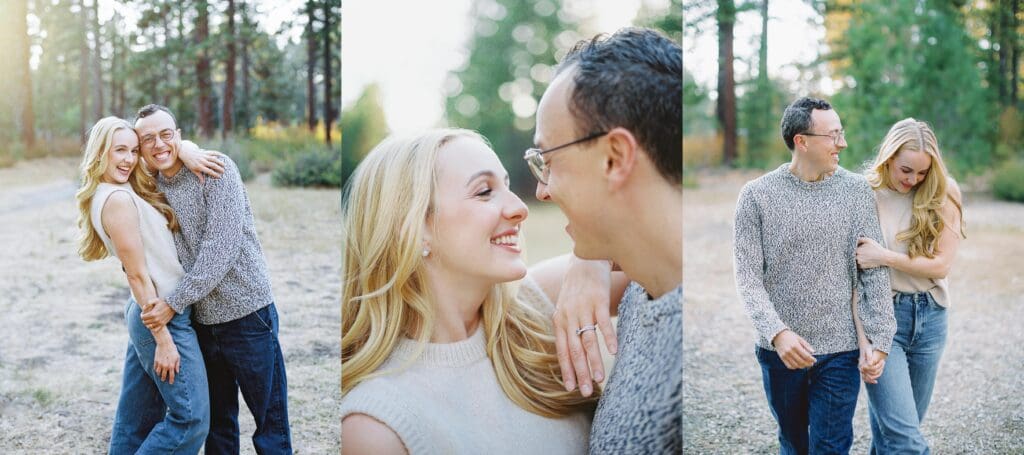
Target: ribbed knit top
(894, 214)
(157, 241)
(448, 401)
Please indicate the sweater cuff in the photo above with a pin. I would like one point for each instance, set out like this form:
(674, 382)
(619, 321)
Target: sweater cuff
(175, 303)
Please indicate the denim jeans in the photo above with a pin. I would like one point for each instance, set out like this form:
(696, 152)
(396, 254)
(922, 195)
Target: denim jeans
(813, 406)
(245, 354)
(898, 402)
(155, 416)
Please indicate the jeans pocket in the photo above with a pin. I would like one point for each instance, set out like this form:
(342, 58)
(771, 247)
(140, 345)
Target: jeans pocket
(263, 317)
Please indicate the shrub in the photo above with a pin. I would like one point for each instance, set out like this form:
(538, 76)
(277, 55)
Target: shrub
(1008, 182)
(314, 166)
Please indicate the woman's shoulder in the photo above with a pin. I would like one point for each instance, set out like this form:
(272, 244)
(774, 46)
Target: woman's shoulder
(381, 407)
(531, 295)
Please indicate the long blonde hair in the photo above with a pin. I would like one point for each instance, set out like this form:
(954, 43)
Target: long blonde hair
(385, 296)
(927, 222)
(94, 163)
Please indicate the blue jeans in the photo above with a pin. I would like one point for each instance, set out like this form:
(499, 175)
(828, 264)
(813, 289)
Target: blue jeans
(813, 406)
(155, 416)
(245, 354)
(899, 400)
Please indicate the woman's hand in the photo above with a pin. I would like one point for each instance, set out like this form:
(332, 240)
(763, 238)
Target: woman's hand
(872, 364)
(870, 254)
(200, 161)
(166, 362)
(583, 302)
(866, 350)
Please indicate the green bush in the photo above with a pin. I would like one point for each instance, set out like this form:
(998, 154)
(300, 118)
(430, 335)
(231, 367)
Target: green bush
(314, 166)
(1008, 182)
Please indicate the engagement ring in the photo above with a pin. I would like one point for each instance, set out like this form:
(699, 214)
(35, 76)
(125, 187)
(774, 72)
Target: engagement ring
(580, 330)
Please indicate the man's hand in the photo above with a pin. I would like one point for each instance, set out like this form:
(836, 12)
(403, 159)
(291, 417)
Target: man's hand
(583, 301)
(166, 362)
(157, 314)
(871, 365)
(794, 351)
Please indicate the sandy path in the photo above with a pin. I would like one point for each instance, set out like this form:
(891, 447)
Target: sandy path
(63, 338)
(977, 406)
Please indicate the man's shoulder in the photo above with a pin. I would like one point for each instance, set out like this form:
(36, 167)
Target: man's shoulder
(764, 182)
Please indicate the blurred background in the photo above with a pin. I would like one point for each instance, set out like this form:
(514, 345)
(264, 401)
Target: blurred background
(953, 63)
(477, 64)
(257, 79)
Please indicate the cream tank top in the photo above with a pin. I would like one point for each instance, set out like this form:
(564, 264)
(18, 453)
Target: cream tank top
(894, 215)
(158, 243)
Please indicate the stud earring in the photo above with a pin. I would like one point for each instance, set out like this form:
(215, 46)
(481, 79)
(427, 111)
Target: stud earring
(426, 252)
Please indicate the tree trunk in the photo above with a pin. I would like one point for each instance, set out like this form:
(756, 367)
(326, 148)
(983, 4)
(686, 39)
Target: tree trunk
(245, 38)
(83, 69)
(229, 83)
(328, 109)
(202, 33)
(726, 103)
(28, 129)
(311, 39)
(97, 61)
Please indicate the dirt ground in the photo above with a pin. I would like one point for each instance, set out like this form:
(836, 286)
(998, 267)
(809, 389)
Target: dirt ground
(978, 402)
(63, 337)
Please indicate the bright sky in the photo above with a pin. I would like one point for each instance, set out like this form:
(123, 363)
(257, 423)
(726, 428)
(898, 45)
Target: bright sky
(408, 48)
(796, 34)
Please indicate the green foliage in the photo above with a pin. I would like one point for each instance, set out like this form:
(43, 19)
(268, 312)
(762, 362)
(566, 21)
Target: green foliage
(363, 124)
(511, 61)
(913, 59)
(759, 108)
(1008, 182)
(315, 166)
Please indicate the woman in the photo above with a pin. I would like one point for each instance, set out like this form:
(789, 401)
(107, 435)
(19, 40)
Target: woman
(164, 402)
(439, 352)
(920, 212)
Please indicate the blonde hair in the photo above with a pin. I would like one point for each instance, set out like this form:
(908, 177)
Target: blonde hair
(927, 222)
(385, 296)
(94, 164)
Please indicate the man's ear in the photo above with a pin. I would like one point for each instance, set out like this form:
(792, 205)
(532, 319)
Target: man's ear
(621, 156)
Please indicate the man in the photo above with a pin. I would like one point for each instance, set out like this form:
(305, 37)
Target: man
(609, 132)
(228, 286)
(795, 235)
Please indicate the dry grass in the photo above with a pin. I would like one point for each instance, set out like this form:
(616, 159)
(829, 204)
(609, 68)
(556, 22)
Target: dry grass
(63, 342)
(977, 405)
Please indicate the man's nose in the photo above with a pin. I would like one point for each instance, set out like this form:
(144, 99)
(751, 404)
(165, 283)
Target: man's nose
(542, 192)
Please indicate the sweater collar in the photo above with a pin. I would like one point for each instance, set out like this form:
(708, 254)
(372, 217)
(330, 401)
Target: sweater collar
(459, 353)
(820, 184)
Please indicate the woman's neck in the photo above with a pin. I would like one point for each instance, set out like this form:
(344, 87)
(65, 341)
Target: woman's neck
(457, 306)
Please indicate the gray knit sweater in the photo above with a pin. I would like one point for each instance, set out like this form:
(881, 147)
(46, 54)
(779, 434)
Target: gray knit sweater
(641, 410)
(795, 260)
(225, 272)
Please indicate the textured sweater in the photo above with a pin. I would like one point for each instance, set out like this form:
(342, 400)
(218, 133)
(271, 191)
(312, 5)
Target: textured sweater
(795, 260)
(225, 273)
(641, 410)
(448, 401)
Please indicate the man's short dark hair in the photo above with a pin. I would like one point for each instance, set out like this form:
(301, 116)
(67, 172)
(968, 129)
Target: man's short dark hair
(797, 118)
(631, 79)
(150, 109)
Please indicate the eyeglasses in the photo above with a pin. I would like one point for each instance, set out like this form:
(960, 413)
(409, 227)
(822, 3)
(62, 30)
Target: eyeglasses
(166, 135)
(836, 135)
(536, 162)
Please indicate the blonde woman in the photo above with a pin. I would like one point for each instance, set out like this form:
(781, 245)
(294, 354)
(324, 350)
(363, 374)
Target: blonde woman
(441, 352)
(920, 212)
(164, 402)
